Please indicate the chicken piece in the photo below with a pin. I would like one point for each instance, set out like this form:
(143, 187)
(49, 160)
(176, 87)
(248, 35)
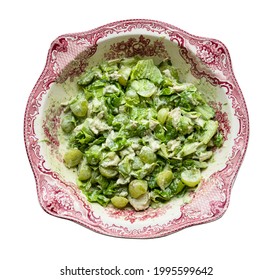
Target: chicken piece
(140, 203)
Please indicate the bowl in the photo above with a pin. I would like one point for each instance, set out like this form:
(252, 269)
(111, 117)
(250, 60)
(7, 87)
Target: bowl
(202, 61)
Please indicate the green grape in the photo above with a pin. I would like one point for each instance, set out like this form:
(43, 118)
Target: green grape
(119, 201)
(84, 172)
(68, 123)
(162, 115)
(164, 178)
(80, 107)
(147, 155)
(191, 177)
(108, 172)
(72, 157)
(137, 188)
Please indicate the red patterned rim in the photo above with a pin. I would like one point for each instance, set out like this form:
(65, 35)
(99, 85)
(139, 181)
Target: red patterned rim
(208, 60)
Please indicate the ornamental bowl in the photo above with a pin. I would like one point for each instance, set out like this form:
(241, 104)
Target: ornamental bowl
(202, 61)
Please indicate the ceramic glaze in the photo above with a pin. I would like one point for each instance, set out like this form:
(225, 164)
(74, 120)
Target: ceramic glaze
(202, 61)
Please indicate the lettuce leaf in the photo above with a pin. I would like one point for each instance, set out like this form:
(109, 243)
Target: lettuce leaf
(97, 196)
(145, 69)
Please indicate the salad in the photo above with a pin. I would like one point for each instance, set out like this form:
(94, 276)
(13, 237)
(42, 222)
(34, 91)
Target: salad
(136, 134)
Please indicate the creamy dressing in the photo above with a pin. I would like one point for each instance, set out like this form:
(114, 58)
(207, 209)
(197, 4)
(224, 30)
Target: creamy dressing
(123, 139)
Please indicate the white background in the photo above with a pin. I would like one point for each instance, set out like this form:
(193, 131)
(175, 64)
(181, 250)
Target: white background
(35, 245)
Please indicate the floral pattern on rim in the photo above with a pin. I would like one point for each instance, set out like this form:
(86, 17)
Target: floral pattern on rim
(65, 200)
(133, 47)
(51, 125)
(212, 193)
(198, 212)
(56, 199)
(212, 54)
(76, 66)
(59, 46)
(133, 216)
(222, 118)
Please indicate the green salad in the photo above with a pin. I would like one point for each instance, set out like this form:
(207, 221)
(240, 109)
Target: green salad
(137, 135)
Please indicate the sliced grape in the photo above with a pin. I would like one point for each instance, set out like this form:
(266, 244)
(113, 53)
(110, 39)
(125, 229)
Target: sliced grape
(191, 177)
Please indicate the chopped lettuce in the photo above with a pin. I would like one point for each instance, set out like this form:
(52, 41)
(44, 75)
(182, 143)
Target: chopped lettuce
(145, 69)
(134, 127)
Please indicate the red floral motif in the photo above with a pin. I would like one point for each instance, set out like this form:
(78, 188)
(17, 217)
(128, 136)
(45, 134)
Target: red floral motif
(76, 66)
(207, 202)
(50, 137)
(216, 207)
(57, 201)
(60, 45)
(222, 118)
(133, 216)
(133, 47)
(212, 54)
(51, 124)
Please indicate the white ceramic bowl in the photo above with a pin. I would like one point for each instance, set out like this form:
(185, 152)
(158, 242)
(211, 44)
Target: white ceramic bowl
(202, 61)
